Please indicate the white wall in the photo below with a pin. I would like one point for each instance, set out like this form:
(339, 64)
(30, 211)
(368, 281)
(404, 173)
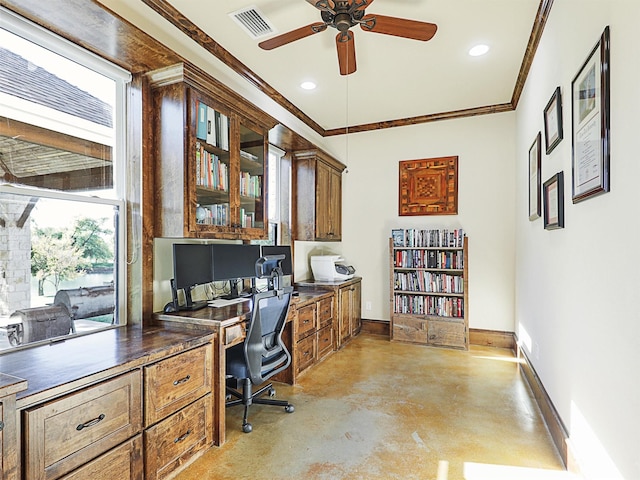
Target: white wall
(485, 146)
(575, 287)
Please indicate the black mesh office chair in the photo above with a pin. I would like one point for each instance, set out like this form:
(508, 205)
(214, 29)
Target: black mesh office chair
(262, 354)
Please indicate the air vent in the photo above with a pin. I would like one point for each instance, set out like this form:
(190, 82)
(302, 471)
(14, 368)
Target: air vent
(253, 22)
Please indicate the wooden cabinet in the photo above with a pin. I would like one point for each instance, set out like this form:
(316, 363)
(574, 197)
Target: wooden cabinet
(123, 462)
(347, 321)
(317, 183)
(178, 410)
(312, 332)
(177, 439)
(429, 287)
(9, 446)
(210, 159)
(175, 382)
(68, 432)
(349, 308)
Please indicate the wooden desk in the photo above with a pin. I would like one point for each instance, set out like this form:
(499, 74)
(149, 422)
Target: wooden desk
(229, 323)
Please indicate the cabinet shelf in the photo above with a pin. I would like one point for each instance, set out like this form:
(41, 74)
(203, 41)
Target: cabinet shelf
(429, 299)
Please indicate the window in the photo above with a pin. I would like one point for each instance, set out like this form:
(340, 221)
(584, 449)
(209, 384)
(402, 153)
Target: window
(62, 221)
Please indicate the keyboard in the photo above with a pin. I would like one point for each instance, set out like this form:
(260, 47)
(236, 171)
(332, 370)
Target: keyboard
(221, 302)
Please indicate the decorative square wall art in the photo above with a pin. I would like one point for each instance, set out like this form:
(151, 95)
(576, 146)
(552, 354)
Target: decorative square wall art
(428, 186)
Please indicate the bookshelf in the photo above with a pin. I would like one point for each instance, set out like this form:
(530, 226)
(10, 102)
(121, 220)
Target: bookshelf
(429, 287)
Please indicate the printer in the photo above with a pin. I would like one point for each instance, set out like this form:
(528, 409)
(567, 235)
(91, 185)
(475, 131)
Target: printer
(330, 268)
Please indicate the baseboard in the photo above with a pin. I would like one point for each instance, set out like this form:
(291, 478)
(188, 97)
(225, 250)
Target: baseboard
(556, 428)
(492, 338)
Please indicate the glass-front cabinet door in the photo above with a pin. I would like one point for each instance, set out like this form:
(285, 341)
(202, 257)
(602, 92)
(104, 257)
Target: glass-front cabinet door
(228, 166)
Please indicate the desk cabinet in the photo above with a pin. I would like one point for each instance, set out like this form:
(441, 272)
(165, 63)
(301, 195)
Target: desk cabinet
(312, 332)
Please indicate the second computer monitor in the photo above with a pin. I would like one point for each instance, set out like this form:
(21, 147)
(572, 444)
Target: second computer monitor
(232, 261)
(286, 264)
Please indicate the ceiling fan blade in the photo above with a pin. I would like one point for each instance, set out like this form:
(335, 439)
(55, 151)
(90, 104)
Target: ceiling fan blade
(325, 5)
(292, 36)
(346, 52)
(399, 27)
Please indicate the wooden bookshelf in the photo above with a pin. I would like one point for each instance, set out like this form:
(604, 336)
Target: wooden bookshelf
(429, 287)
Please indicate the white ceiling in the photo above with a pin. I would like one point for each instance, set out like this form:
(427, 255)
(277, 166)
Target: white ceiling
(396, 78)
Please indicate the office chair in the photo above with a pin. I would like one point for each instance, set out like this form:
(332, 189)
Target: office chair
(262, 354)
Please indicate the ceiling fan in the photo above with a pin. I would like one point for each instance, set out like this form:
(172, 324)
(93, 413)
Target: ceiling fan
(344, 14)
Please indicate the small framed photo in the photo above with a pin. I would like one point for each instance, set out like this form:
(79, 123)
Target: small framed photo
(534, 179)
(553, 121)
(590, 122)
(553, 193)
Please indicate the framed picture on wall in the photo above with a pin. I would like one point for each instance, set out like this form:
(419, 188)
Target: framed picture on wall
(534, 178)
(553, 121)
(590, 121)
(428, 186)
(553, 193)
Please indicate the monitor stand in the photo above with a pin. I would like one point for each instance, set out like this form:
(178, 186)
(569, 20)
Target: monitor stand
(233, 286)
(190, 305)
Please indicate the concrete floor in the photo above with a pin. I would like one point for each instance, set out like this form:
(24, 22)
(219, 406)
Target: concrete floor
(381, 410)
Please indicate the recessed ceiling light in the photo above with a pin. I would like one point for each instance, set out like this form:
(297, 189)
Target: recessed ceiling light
(479, 50)
(308, 85)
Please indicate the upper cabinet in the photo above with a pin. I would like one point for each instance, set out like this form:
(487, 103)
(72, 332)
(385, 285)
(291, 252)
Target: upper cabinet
(210, 160)
(317, 179)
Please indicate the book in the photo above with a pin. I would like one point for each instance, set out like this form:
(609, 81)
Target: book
(211, 127)
(201, 121)
(397, 235)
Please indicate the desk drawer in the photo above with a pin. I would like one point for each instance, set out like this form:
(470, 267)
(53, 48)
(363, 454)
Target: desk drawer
(325, 341)
(175, 382)
(305, 353)
(65, 433)
(325, 312)
(177, 439)
(305, 321)
(121, 463)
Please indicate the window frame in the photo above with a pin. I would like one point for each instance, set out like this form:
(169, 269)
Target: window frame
(48, 40)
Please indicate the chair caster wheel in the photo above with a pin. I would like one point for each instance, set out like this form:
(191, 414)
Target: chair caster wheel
(246, 428)
(272, 392)
(289, 408)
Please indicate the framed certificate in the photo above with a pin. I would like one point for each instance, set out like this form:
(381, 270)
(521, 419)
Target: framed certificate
(590, 124)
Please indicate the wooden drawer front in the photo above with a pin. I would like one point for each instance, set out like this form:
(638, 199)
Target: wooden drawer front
(305, 353)
(325, 312)
(121, 463)
(325, 341)
(175, 382)
(448, 334)
(174, 441)
(305, 321)
(63, 434)
(410, 330)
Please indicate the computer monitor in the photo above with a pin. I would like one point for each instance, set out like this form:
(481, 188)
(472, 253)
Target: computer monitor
(286, 264)
(234, 261)
(191, 266)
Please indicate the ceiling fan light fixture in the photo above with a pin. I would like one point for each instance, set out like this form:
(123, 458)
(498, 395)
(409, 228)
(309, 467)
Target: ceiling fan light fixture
(479, 50)
(308, 85)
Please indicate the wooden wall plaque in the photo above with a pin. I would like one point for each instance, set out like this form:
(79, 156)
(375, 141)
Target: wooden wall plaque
(428, 186)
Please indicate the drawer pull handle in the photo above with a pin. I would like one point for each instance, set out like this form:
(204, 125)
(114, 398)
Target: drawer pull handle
(182, 380)
(91, 423)
(182, 437)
